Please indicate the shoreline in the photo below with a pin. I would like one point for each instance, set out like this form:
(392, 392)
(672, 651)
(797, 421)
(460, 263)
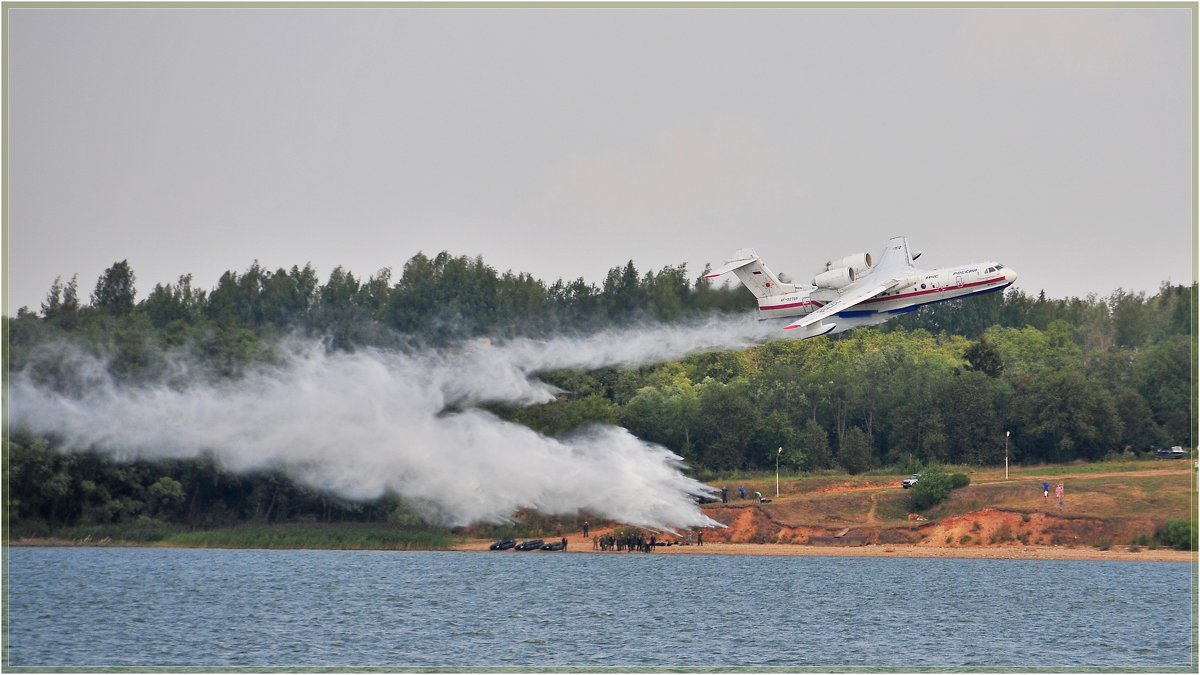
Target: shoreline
(1114, 554)
(1122, 553)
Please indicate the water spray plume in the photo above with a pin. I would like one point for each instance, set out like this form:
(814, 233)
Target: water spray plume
(373, 422)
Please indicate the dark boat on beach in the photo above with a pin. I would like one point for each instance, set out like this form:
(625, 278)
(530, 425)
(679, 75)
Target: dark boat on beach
(503, 545)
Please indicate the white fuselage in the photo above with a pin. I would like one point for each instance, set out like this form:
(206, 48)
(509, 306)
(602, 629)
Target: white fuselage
(923, 287)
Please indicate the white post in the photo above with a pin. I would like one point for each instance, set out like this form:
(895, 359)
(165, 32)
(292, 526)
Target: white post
(777, 471)
(1006, 454)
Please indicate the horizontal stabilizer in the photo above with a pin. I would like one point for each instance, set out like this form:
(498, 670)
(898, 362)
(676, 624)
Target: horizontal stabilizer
(731, 266)
(753, 274)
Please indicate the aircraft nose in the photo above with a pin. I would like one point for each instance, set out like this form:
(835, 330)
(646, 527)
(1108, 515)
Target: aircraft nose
(1010, 275)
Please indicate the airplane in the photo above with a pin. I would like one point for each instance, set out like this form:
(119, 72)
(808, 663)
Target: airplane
(852, 291)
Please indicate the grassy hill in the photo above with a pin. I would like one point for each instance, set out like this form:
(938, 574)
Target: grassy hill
(1104, 504)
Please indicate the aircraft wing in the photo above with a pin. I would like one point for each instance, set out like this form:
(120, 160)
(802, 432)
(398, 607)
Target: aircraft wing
(894, 266)
(851, 297)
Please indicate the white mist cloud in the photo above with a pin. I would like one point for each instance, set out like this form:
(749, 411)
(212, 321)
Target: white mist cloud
(366, 423)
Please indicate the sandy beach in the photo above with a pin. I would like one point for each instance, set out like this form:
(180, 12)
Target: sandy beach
(1116, 553)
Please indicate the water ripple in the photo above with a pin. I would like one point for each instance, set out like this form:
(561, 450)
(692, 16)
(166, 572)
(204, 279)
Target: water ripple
(161, 607)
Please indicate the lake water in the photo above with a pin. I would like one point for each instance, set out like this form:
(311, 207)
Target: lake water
(83, 607)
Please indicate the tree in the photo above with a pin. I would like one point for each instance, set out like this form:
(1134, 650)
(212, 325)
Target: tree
(179, 302)
(115, 290)
(668, 291)
(778, 432)
(918, 431)
(568, 414)
(166, 497)
(934, 487)
(228, 305)
(665, 416)
(1165, 377)
(814, 442)
(1130, 317)
(287, 296)
(855, 454)
(983, 358)
(965, 403)
(728, 425)
(1140, 432)
(1070, 417)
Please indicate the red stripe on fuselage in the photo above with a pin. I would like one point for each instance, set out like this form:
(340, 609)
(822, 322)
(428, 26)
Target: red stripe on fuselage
(790, 305)
(885, 298)
(943, 289)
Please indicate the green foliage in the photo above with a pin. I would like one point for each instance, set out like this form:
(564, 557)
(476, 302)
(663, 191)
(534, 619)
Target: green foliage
(567, 414)
(313, 536)
(814, 442)
(984, 358)
(728, 425)
(291, 536)
(166, 496)
(115, 291)
(934, 487)
(855, 455)
(667, 414)
(1071, 379)
(1178, 533)
(967, 406)
(1068, 416)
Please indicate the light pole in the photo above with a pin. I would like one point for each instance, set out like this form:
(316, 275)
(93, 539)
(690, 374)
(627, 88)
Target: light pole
(1006, 454)
(777, 470)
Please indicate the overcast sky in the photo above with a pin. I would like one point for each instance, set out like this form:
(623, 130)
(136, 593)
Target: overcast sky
(562, 142)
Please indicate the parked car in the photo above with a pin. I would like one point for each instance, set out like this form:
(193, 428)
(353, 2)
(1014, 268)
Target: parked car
(910, 481)
(1175, 452)
(503, 545)
(530, 545)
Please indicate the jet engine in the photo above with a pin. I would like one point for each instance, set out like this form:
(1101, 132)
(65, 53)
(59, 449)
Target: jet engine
(859, 262)
(838, 277)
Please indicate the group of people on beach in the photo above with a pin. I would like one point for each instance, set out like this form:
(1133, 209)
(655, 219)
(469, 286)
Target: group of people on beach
(628, 542)
(640, 542)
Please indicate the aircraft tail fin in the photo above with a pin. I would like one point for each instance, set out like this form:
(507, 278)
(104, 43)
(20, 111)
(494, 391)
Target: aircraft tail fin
(754, 274)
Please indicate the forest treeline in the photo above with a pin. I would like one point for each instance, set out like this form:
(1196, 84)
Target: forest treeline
(1066, 378)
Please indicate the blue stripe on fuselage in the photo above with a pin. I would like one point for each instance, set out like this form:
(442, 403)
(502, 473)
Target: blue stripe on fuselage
(849, 314)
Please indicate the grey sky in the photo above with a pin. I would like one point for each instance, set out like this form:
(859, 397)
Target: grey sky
(563, 142)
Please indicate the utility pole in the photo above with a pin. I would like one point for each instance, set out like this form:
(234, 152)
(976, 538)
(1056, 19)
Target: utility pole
(1006, 454)
(777, 471)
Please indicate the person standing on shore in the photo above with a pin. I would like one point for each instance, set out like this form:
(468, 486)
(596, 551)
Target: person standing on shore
(1045, 491)
(585, 528)
(1058, 494)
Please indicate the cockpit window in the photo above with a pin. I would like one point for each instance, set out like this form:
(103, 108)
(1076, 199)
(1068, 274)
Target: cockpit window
(999, 267)
(990, 269)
